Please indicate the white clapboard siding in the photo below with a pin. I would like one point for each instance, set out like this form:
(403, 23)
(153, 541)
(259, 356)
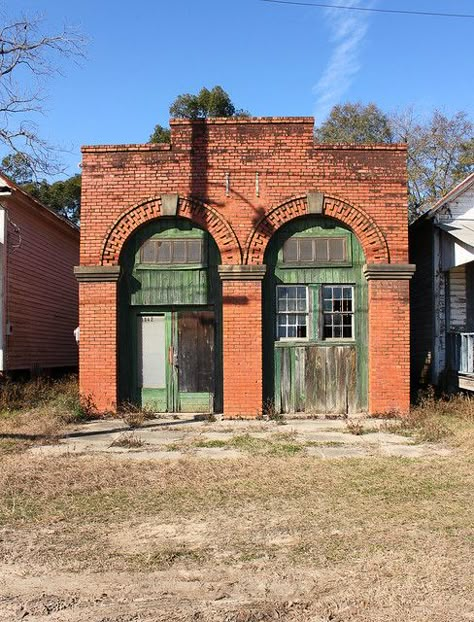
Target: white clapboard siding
(463, 206)
(457, 298)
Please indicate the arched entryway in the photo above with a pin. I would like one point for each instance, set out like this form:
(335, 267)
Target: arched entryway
(315, 345)
(170, 307)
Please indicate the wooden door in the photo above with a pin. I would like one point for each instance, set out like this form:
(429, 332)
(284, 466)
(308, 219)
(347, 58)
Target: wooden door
(194, 361)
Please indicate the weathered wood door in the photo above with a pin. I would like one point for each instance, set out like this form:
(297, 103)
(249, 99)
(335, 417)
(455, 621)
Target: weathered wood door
(194, 361)
(175, 353)
(315, 311)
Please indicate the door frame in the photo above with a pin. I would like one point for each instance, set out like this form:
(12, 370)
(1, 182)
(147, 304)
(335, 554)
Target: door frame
(171, 314)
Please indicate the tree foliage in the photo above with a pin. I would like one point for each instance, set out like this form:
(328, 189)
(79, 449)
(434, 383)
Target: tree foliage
(28, 56)
(160, 135)
(63, 197)
(207, 103)
(440, 148)
(355, 123)
(440, 154)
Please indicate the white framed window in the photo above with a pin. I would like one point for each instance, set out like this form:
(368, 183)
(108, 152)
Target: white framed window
(337, 311)
(292, 312)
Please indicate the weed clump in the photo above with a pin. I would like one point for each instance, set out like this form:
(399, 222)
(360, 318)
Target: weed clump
(135, 416)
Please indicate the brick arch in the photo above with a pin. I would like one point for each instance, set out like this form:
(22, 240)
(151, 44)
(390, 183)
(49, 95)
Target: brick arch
(370, 236)
(200, 213)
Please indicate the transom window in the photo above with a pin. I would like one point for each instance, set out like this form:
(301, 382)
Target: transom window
(292, 312)
(315, 250)
(338, 311)
(176, 251)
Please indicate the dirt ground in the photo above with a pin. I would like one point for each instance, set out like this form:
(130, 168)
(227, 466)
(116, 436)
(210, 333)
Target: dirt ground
(237, 522)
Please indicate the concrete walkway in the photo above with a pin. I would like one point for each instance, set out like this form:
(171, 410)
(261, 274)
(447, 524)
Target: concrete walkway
(172, 438)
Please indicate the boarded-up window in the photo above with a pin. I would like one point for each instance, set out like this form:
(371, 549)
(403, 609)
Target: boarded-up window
(172, 252)
(306, 250)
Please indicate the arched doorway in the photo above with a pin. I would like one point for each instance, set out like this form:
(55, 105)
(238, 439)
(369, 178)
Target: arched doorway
(170, 318)
(315, 319)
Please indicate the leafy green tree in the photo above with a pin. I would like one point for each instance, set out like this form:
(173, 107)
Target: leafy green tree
(160, 135)
(355, 123)
(63, 197)
(207, 103)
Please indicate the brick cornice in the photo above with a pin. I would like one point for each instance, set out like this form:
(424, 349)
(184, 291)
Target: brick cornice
(389, 272)
(97, 274)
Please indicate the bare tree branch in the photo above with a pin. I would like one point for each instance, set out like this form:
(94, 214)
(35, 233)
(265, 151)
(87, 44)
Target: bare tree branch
(28, 55)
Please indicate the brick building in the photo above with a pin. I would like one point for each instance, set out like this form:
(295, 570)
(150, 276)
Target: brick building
(243, 265)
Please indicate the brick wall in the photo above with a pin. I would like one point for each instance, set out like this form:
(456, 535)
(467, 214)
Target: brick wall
(242, 179)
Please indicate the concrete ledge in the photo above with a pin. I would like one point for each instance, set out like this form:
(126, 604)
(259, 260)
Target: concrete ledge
(389, 271)
(94, 274)
(240, 272)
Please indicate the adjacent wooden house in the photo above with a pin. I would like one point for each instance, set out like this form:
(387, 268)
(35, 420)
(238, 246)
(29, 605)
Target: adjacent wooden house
(442, 309)
(38, 291)
(243, 265)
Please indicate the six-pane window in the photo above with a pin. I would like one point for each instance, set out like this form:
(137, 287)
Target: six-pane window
(292, 312)
(315, 250)
(338, 311)
(172, 251)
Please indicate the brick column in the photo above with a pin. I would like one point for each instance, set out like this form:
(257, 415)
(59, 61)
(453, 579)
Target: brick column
(242, 339)
(389, 336)
(98, 334)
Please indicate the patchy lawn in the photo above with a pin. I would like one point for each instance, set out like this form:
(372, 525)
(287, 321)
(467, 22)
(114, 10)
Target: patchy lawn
(275, 534)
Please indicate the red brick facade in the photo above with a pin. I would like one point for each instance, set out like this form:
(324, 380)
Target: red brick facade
(242, 179)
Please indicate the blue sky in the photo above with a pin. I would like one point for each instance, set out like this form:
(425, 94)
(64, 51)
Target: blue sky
(273, 60)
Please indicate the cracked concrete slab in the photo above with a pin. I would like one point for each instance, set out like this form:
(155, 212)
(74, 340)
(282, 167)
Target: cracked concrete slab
(171, 438)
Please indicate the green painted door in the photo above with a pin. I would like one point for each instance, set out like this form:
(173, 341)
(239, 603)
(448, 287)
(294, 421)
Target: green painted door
(315, 319)
(175, 351)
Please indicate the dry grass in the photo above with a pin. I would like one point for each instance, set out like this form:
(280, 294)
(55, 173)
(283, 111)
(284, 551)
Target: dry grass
(39, 411)
(128, 441)
(135, 416)
(342, 537)
(273, 535)
(433, 419)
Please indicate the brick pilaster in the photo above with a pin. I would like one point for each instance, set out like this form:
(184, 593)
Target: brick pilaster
(242, 339)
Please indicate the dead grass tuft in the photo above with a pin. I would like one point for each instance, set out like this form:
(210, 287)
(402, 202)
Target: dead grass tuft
(135, 416)
(39, 410)
(128, 440)
(435, 419)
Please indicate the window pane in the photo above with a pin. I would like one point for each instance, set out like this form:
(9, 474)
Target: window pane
(194, 251)
(301, 331)
(321, 249)
(148, 252)
(164, 251)
(290, 251)
(337, 249)
(292, 331)
(301, 305)
(179, 251)
(306, 249)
